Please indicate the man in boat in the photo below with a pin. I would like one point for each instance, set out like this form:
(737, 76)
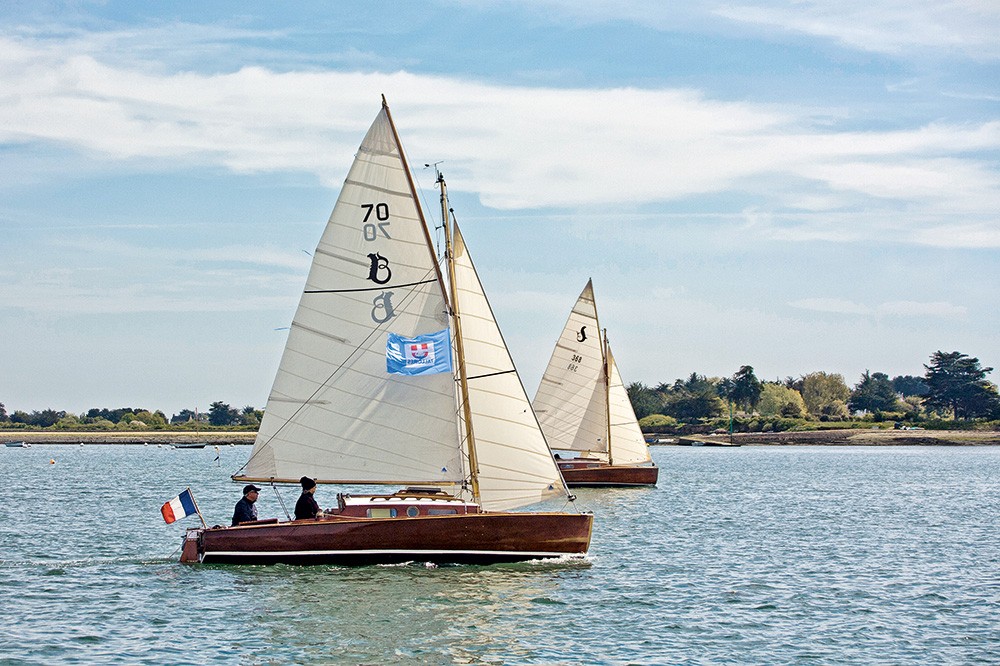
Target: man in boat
(245, 511)
(307, 508)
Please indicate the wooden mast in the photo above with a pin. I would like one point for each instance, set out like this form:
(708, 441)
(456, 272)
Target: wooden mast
(459, 341)
(607, 393)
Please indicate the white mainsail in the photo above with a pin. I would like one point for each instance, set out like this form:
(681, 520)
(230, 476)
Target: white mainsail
(515, 464)
(578, 408)
(334, 413)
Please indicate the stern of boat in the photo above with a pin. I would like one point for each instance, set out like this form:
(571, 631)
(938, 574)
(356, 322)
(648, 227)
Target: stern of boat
(189, 546)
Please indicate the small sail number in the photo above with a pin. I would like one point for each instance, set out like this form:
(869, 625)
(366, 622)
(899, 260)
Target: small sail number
(378, 227)
(575, 360)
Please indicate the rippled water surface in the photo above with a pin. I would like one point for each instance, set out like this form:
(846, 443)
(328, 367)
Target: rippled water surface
(758, 555)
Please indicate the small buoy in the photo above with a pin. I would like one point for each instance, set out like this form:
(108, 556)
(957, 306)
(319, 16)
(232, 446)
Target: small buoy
(52, 462)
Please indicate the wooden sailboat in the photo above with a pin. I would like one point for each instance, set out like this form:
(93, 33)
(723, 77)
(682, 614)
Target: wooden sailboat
(583, 407)
(464, 444)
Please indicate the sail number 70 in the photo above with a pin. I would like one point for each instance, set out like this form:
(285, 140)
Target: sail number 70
(371, 230)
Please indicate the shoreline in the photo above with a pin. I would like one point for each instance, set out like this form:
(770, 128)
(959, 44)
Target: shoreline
(843, 437)
(855, 437)
(134, 438)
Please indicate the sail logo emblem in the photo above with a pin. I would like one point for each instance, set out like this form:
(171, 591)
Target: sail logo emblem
(379, 264)
(419, 353)
(582, 335)
(382, 308)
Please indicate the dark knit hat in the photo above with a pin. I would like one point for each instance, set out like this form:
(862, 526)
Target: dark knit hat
(307, 483)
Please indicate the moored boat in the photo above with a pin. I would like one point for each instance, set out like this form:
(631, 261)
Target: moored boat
(392, 375)
(584, 408)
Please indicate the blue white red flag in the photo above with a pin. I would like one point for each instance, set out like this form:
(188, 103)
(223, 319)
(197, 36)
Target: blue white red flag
(179, 507)
(423, 355)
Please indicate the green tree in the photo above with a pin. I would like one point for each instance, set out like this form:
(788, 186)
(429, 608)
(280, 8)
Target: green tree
(251, 416)
(825, 394)
(746, 388)
(657, 421)
(694, 398)
(645, 401)
(779, 400)
(907, 385)
(3, 413)
(221, 414)
(151, 419)
(957, 383)
(874, 393)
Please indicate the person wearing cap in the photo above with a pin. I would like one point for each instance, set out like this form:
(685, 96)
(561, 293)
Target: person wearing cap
(245, 511)
(307, 508)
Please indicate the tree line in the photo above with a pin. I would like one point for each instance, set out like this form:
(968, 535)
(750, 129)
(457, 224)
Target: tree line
(220, 414)
(954, 386)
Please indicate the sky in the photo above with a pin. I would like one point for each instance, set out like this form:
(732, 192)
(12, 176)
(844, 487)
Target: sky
(797, 186)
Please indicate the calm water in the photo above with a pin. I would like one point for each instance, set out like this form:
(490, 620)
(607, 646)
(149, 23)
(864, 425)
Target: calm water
(759, 555)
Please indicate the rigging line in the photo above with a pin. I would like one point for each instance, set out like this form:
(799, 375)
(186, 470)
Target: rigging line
(382, 287)
(409, 296)
(491, 374)
(280, 501)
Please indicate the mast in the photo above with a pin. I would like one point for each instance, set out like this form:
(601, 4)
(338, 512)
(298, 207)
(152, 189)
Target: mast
(607, 394)
(459, 342)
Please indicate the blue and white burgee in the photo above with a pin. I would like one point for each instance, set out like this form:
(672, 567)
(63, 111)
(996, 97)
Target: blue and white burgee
(426, 354)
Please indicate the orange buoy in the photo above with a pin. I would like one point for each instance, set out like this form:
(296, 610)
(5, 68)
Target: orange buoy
(52, 462)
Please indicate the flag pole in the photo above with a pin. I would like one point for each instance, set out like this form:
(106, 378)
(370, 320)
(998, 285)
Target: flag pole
(197, 510)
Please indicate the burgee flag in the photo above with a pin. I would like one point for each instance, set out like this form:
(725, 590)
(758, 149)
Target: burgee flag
(423, 355)
(179, 507)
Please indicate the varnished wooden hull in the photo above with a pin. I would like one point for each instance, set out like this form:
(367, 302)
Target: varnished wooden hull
(485, 538)
(602, 475)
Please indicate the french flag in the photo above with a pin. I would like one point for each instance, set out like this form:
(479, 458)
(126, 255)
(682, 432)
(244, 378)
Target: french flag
(179, 507)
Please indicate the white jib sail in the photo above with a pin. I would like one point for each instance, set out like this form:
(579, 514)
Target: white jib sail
(515, 465)
(628, 447)
(334, 413)
(571, 403)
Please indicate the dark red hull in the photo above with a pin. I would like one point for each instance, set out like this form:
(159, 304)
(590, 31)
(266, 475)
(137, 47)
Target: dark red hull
(603, 475)
(484, 538)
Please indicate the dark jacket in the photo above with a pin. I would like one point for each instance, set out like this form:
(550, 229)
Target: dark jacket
(245, 512)
(306, 507)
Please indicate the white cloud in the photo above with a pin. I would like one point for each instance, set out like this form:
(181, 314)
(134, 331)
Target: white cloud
(835, 305)
(516, 147)
(968, 27)
(891, 308)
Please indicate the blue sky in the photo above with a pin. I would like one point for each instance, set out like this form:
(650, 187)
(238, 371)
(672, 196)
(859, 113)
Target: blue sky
(796, 186)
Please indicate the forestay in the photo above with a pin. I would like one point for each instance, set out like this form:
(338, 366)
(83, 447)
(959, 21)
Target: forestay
(334, 413)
